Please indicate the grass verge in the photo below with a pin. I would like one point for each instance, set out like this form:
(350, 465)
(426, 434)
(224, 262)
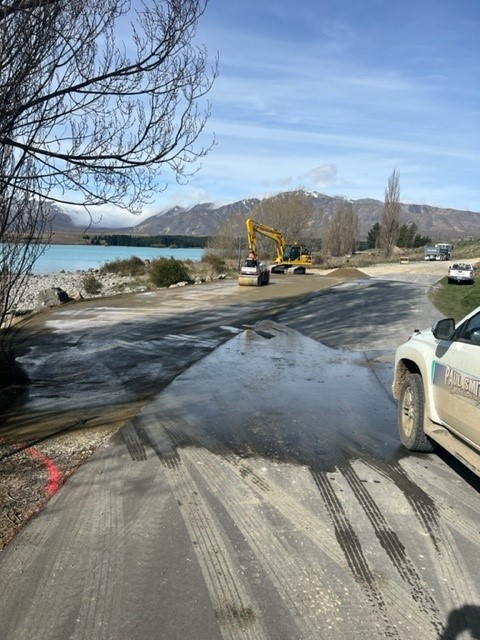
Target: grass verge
(456, 300)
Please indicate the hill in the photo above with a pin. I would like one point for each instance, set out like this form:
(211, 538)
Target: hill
(204, 219)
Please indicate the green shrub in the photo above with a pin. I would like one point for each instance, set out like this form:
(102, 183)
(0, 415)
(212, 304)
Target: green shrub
(133, 266)
(92, 285)
(167, 271)
(215, 262)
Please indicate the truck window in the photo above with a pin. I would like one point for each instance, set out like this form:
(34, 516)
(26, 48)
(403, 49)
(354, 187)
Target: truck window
(470, 331)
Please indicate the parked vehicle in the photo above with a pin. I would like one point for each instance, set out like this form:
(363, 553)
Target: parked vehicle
(438, 252)
(437, 386)
(461, 272)
(446, 246)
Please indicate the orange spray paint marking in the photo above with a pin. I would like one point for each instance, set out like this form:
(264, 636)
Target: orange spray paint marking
(55, 477)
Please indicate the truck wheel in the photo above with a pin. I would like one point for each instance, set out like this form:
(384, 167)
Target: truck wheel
(411, 409)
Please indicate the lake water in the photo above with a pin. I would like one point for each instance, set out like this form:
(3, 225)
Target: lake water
(72, 257)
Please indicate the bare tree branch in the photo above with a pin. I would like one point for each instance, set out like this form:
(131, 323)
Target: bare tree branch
(96, 99)
(341, 233)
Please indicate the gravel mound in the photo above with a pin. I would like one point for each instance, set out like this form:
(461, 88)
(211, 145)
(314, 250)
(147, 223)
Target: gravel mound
(348, 272)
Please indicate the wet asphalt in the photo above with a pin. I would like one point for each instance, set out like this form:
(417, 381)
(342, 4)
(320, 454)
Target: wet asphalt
(260, 492)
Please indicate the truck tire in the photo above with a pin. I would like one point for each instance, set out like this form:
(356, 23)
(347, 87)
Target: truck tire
(411, 410)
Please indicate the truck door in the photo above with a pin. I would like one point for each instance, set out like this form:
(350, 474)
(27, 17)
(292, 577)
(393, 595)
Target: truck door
(456, 380)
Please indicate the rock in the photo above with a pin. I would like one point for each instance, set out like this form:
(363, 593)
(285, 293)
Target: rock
(52, 297)
(75, 295)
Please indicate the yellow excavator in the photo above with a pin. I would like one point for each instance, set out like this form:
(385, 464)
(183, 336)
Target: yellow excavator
(293, 258)
(290, 257)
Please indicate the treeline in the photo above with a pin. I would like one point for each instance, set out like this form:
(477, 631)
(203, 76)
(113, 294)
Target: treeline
(169, 242)
(407, 238)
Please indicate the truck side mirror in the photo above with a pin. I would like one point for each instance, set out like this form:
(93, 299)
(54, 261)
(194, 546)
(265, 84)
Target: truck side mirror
(444, 329)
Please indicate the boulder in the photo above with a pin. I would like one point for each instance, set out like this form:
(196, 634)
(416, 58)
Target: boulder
(52, 297)
(75, 294)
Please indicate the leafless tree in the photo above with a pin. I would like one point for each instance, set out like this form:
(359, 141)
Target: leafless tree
(288, 212)
(96, 99)
(341, 232)
(391, 215)
(230, 240)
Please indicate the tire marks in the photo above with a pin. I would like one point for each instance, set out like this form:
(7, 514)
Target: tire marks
(314, 609)
(449, 527)
(351, 547)
(394, 549)
(284, 534)
(231, 600)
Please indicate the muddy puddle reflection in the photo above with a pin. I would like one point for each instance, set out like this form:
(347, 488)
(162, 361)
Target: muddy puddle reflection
(271, 392)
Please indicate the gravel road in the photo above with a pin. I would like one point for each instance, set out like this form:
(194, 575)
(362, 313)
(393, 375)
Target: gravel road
(257, 489)
(69, 436)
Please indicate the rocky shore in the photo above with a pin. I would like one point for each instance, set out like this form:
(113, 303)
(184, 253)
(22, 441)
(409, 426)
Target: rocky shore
(40, 291)
(33, 293)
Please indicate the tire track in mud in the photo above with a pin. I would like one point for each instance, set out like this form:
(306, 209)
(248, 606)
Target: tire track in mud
(180, 436)
(421, 503)
(314, 609)
(454, 571)
(282, 562)
(395, 603)
(281, 566)
(232, 603)
(437, 522)
(395, 550)
(352, 549)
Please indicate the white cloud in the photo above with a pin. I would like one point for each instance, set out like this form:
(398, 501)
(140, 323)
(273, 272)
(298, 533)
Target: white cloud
(333, 96)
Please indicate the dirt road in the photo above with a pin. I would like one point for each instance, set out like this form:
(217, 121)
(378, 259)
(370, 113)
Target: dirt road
(94, 364)
(262, 493)
(63, 417)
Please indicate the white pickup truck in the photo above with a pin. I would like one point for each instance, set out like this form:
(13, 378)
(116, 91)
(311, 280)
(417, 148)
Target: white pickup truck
(437, 386)
(461, 272)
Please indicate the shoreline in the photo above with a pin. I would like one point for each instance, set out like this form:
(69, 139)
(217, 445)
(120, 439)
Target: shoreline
(72, 283)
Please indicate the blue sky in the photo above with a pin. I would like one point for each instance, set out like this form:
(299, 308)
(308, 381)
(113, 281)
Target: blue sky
(332, 95)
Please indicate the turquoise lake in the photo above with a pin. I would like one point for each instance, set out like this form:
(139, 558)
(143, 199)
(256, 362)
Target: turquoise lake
(72, 257)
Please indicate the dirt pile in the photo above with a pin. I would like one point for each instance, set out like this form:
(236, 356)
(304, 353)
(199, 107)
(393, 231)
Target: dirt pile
(349, 273)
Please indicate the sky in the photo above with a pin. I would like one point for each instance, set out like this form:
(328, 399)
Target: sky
(333, 95)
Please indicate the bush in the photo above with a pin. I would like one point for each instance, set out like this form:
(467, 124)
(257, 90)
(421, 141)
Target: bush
(133, 266)
(92, 285)
(167, 271)
(217, 264)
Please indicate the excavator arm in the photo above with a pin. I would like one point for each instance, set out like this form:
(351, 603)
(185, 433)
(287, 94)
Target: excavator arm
(288, 255)
(257, 227)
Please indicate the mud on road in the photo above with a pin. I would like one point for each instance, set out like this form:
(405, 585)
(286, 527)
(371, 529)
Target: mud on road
(161, 334)
(94, 364)
(257, 488)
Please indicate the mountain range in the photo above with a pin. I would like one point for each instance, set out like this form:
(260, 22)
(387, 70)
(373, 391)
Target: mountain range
(205, 219)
